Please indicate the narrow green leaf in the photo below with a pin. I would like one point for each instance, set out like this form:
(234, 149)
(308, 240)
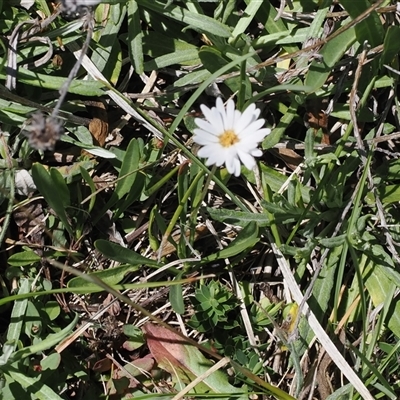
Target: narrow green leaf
(106, 53)
(32, 385)
(15, 327)
(187, 56)
(201, 22)
(50, 341)
(247, 18)
(45, 81)
(89, 181)
(135, 37)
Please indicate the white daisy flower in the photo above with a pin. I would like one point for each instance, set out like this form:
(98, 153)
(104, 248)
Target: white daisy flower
(229, 136)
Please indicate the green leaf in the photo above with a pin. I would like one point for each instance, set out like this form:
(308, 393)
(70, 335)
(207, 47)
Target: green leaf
(128, 172)
(200, 22)
(110, 276)
(51, 362)
(32, 385)
(52, 309)
(122, 254)
(185, 57)
(54, 190)
(89, 181)
(176, 299)
(135, 37)
(331, 53)
(16, 322)
(247, 17)
(50, 341)
(240, 218)
(370, 29)
(391, 45)
(276, 180)
(379, 285)
(246, 239)
(23, 258)
(107, 52)
(45, 81)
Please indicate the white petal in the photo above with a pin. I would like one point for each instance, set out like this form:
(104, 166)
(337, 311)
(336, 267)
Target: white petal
(252, 127)
(207, 112)
(237, 167)
(217, 121)
(205, 126)
(231, 165)
(247, 160)
(212, 154)
(230, 115)
(219, 104)
(246, 119)
(256, 153)
(256, 137)
(204, 138)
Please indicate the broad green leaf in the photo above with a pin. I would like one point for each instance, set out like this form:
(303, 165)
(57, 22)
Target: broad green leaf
(52, 309)
(391, 45)
(22, 258)
(51, 362)
(268, 16)
(122, 254)
(276, 180)
(176, 299)
(248, 16)
(156, 45)
(240, 218)
(192, 78)
(126, 178)
(331, 53)
(322, 293)
(379, 285)
(60, 186)
(389, 194)
(128, 171)
(246, 239)
(52, 189)
(370, 29)
(110, 276)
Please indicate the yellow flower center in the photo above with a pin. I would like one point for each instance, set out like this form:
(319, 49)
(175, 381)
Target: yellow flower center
(228, 138)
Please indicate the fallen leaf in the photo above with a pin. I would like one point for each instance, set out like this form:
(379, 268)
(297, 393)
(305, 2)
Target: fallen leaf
(186, 362)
